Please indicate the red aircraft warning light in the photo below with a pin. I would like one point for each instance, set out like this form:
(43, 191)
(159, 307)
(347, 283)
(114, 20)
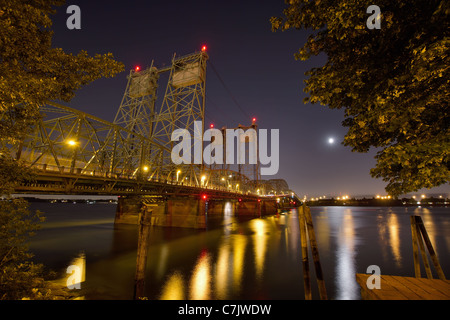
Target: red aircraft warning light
(204, 197)
(137, 68)
(203, 48)
(211, 125)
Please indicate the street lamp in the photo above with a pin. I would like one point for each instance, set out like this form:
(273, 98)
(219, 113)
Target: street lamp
(203, 180)
(71, 142)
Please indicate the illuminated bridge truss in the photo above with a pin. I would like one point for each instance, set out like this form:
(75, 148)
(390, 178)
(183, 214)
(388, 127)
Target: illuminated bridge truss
(74, 152)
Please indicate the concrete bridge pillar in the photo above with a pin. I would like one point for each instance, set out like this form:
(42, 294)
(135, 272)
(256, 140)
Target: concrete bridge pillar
(174, 212)
(250, 208)
(190, 212)
(182, 212)
(269, 207)
(128, 209)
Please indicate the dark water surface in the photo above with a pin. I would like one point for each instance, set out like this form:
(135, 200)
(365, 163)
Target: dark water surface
(256, 259)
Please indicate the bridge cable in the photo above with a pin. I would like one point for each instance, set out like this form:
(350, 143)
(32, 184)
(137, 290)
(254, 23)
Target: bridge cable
(228, 90)
(219, 110)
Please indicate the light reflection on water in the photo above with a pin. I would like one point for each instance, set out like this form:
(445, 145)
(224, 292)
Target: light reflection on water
(255, 259)
(345, 259)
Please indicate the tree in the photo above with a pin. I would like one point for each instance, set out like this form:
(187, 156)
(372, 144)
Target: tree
(391, 82)
(32, 72)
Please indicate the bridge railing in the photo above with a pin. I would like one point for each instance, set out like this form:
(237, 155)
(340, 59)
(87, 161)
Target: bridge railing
(53, 170)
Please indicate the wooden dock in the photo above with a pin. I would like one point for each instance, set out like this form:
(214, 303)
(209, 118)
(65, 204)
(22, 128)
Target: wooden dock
(405, 288)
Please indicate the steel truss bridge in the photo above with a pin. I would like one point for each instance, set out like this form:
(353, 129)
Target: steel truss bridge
(73, 152)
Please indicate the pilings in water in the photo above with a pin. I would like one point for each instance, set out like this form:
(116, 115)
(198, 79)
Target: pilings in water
(141, 259)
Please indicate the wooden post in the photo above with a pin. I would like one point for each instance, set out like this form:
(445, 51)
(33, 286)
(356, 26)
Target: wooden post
(305, 261)
(434, 258)
(315, 254)
(141, 260)
(422, 251)
(415, 248)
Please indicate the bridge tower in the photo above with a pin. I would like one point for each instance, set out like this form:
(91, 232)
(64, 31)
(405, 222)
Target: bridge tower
(136, 114)
(248, 171)
(183, 104)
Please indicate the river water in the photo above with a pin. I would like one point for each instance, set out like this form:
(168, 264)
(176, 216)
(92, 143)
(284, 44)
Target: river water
(255, 259)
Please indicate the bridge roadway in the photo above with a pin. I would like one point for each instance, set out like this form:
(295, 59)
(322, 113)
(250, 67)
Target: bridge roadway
(172, 204)
(54, 182)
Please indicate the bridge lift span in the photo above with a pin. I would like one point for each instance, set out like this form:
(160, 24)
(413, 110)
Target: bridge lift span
(74, 152)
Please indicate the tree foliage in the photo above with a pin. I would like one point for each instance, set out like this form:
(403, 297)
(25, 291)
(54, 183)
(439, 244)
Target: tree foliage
(32, 72)
(392, 82)
(18, 275)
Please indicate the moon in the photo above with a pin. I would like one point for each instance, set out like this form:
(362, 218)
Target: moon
(330, 140)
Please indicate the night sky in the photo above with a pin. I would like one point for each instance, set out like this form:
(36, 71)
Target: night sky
(256, 64)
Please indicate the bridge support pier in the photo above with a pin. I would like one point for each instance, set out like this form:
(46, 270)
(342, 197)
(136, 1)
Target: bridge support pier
(183, 212)
(174, 212)
(191, 212)
(128, 210)
(268, 207)
(256, 208)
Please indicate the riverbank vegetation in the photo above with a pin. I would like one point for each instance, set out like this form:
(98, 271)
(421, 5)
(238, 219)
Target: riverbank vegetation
(32, 73)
